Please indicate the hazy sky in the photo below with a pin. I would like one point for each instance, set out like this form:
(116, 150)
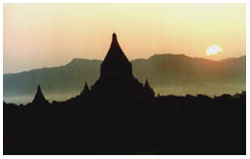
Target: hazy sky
(39, 35)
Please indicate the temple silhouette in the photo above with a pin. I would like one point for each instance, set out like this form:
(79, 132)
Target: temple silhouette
(39, 97)
(120, 115)
(116, 79)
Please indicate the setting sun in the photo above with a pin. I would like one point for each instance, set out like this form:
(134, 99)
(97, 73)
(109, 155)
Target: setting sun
(213, 50)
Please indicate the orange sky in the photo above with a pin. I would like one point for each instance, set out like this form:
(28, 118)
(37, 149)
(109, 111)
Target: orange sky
(39, 35)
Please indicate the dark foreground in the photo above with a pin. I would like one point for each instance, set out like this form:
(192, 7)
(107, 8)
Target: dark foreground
(168, 125)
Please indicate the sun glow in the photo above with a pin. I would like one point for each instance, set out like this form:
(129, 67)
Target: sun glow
(82, 30)
(213, 50)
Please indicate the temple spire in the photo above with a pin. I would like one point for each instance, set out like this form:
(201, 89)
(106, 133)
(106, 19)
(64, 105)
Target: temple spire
(115, 62)
(85, 89)
(114, 42)
(114, 37)
(115, 52)
(146, 85)
(39, 97)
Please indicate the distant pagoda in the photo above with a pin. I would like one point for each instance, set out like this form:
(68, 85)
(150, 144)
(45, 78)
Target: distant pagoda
(39, 97)
(85, 89)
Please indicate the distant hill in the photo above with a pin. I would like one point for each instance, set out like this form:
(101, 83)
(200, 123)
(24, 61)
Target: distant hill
(167, 74)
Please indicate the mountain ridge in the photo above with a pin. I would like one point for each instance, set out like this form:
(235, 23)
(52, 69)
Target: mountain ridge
(166, 73)
(157, 54)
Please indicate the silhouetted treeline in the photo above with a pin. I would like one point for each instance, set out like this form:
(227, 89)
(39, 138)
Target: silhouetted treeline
(121, 124)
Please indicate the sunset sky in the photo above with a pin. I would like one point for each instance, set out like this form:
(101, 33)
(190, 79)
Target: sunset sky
(46, 35)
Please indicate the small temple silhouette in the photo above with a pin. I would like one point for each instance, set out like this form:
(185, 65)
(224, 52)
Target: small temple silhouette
(39, 97)
(85, 89)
